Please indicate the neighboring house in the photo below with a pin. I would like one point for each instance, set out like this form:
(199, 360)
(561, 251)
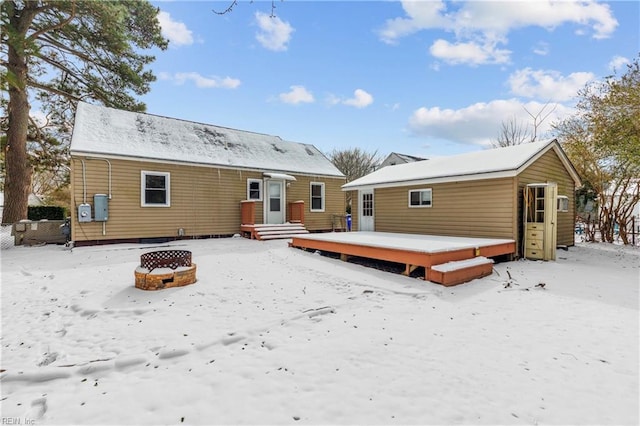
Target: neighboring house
(140, 177)
(478, 194)
(394, 158)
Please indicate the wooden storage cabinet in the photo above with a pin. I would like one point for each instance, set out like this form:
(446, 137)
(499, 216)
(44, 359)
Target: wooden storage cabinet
(534, 248)
(540, 221)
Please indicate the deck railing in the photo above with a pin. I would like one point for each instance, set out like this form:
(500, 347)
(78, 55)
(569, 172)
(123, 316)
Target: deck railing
(296, 211)
(248, 212)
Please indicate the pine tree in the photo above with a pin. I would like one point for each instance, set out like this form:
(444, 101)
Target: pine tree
(55, 53)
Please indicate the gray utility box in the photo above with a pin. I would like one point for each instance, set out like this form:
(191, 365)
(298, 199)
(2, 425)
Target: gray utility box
(84, 212)
(101, 207)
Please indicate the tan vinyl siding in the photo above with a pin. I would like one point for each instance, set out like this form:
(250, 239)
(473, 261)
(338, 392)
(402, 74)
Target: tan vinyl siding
(549, 168)
(355, 202)
(205, 201)
(334, 200)
(468, 208)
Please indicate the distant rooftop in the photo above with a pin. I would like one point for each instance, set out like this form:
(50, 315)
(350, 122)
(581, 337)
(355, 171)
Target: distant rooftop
(396, 158)
(106, 131)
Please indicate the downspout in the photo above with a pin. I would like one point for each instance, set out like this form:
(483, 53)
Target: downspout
(84, 183)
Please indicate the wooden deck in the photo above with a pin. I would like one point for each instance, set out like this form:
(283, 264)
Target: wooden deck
(409, 249)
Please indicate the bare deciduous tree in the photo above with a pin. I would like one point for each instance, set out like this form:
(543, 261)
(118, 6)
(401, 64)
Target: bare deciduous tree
(602, 139)
(354, 163)
(513, 132)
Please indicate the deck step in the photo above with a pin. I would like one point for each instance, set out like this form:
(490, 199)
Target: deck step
(283, 232)
(461, 271)
(270, 232)
(280, 236)
(278, 228)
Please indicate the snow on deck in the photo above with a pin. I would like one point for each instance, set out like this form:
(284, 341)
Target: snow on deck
(413, 242)
(461, 264)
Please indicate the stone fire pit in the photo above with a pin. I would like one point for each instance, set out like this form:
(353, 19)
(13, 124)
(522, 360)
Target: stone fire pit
(165, 269)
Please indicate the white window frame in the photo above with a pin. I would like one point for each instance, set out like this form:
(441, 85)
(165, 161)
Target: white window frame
(563, 203)
(322, 196)
(260, 186)
(419, 206)
(143, 188)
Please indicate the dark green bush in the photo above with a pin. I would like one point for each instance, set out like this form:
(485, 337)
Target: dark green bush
(45, 212)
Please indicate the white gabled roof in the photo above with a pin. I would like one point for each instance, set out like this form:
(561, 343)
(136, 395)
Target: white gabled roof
(102, 131)
(487, 164)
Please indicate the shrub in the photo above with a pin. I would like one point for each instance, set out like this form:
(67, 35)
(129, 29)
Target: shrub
(45, 212)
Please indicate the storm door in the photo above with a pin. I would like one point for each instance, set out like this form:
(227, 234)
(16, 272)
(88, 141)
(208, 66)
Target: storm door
(275, 202)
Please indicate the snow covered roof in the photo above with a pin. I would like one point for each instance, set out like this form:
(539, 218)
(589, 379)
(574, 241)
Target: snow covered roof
(490, 163)
(102, 131)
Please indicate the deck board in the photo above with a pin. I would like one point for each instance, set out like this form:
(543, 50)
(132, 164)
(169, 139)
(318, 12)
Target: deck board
(410, 249)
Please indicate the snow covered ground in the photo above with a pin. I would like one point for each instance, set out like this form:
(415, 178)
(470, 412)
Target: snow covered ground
(276, 335)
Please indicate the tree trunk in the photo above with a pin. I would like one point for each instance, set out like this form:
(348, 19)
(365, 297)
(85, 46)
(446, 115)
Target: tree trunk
(18, 171)
(17, 182)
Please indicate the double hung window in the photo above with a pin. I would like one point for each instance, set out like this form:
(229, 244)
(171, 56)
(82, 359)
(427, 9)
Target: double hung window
(155, 189)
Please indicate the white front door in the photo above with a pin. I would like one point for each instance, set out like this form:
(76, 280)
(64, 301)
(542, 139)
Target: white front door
(365, 210)
(274, 209)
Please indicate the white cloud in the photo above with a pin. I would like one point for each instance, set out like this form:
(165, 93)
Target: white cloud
(480, 123)
(479, 25)
(470, 53)
(361, 99)
(38, 116)
(502, 17)
(618, 63)
(212, 82)
(176, 32)
(541, 49)
(332, 100)
(421, 16)
(297, 95)
(548, 85)
(274, 33)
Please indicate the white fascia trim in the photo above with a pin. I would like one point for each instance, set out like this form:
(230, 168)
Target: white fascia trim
(443, 179)
(95, 155)
(563, 159)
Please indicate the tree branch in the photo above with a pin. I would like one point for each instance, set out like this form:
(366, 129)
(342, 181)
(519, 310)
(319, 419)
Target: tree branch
(227, 10)
(74, 52)
(57, 26)
(46, 88)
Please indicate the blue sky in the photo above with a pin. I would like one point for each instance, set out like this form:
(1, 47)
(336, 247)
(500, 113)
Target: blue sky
(425, 78)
